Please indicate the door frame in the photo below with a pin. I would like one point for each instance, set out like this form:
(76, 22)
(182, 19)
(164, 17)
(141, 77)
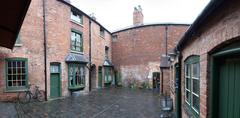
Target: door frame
(215, 59)
(60, 78)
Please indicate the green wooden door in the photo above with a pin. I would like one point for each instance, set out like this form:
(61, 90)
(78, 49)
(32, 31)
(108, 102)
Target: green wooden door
(55, 88)
(99, 77)
(229, 89)
(55, 85)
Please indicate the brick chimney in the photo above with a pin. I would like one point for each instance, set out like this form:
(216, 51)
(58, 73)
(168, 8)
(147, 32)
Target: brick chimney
(137, 16)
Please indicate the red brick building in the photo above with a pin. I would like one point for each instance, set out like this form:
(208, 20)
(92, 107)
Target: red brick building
(63, 50)
(137, 51)
(56, 47)
(207, 69)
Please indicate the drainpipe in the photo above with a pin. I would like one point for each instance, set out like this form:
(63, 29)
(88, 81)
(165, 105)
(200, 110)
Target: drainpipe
(161, 81)
(166, 39)
(90, 53)
(45, 46)
(180, 80)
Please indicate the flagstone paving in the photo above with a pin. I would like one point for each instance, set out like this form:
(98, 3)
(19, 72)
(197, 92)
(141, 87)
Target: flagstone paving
(105, 103)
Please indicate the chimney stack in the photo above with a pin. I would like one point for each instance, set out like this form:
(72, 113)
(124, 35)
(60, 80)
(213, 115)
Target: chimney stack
(137, 16)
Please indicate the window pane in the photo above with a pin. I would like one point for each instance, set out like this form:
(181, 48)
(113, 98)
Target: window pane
(23, 70)
(195, 102)
(188, 83)
(23, 83)
(9, 77)
(23, 64)
(72, 36)
(70, 71)
(195, 86)
(9, 64)
(54, 69)
(18, 40)
(19, 70)
(14, 77)
(196, 69)
(14, 71)
(18, 83)
(187, 70)
(9, 70)
(18, 77)
(19, 64)
(71, 80)
(188, 96)
(14, 64)
(14, 83)
(23, 77)
(9, 83)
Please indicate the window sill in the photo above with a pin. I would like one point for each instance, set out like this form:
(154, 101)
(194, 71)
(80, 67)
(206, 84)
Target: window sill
(76, 88)
(189, 111)
(15, 91)
(18, 45)
(76, 52)
(75, 22)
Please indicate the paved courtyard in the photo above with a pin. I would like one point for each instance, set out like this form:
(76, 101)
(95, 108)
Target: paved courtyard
(105, 103)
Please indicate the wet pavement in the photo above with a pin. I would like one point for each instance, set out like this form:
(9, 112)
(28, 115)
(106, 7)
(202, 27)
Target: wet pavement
(105, 103)
(7, 110)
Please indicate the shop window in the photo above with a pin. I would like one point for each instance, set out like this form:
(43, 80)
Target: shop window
(76, 75)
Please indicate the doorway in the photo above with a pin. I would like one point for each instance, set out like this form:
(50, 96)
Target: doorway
(99, 77)
(225, 82)
(229, 95)
(55, 88)
(93, 78)
(156, 81)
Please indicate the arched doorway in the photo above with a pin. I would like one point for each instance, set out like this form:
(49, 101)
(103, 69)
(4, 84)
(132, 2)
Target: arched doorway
(225, 81)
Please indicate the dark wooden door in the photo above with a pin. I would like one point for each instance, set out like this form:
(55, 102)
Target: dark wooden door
(177, 92)
(99, 77)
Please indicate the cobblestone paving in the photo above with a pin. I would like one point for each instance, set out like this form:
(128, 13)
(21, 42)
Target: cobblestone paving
(105, 103)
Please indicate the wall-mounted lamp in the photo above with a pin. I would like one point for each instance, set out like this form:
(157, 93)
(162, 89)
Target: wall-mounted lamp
(172, 55)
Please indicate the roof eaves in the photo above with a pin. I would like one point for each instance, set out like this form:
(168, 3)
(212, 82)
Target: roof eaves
(146, 25)
(208, 10)
(67, 3)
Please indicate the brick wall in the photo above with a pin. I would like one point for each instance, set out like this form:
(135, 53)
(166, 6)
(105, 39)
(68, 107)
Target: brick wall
(136, 52)
(222, 28)
(98, 51)
(31, 47)
(58, 29)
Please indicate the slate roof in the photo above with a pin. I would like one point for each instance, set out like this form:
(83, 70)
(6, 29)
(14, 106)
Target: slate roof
(77, 58)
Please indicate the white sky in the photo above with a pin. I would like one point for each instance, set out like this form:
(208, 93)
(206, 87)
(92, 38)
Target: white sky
(116, 14)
